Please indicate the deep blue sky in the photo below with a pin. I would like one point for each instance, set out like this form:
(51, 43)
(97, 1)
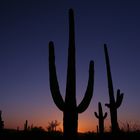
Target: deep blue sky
(26, 27)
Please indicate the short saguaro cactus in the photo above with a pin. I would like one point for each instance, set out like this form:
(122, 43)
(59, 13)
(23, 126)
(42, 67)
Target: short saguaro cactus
(101, 118)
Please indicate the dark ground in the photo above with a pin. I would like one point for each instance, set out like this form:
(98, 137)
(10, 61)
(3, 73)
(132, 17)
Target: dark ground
(42, 135)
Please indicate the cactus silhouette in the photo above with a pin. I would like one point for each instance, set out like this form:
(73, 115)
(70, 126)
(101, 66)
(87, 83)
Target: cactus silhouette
(1, 122)
(114, 104)
(101, 118)
(69, 106)
(26, 126)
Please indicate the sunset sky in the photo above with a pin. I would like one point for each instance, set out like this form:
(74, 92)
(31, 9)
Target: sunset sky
(26, 27)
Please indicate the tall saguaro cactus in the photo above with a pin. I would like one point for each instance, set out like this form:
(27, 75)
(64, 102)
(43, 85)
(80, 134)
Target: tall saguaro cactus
(101, 118)
(114, 104)
(69, 106)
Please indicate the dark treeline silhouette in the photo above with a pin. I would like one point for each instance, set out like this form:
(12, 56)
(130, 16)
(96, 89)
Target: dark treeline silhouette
(69, 106)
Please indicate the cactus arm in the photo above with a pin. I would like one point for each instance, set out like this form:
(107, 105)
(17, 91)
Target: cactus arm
(119, 98)
(89, 91)
(54, 87)
(105, 115)
(96, 115)
(108, 105)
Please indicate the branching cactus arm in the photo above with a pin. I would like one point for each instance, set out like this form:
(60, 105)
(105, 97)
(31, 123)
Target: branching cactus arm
(54, 86)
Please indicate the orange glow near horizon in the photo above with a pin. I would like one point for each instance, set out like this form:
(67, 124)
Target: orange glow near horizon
(85, 123)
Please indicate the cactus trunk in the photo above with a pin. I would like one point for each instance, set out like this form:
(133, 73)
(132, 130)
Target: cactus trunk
(114, 121)
(69, 106)
(70, 124)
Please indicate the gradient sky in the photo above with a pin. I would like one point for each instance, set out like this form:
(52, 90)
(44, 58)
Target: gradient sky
(26, 27)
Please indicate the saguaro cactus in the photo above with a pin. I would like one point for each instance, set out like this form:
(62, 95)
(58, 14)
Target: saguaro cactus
(69, 106)
(101, 118)
(1, 122)
(114, 104)
(26, 125)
